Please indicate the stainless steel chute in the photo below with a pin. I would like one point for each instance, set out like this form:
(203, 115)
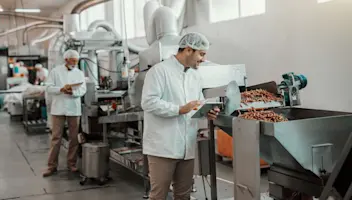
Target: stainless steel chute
(290, 143)
(308, 154)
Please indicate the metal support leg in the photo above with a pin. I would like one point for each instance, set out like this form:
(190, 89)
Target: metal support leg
(105, 133)
(146, 177)
(340, 175)
(212, 163)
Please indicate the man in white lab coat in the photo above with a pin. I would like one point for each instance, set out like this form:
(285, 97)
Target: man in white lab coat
(172, 90)
(66, 85)
(41, 74)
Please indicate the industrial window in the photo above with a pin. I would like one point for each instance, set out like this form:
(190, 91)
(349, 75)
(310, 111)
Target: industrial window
(223, 10)
(133, 10)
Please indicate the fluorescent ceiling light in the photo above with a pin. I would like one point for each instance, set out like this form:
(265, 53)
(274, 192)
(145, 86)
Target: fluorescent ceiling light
(27, 10)
(1, 10)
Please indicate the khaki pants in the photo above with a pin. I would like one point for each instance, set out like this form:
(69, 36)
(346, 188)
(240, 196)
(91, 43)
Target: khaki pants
(58, 123)
(163, 171)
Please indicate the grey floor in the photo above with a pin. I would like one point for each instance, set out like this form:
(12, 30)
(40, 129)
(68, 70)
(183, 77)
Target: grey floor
(23, 159)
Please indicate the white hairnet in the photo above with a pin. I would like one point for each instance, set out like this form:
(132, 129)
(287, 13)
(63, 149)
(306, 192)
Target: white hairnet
(195, 41)
(38, 66)
(71, 54)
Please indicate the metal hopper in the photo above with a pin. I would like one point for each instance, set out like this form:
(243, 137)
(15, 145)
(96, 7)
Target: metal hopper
(309, 155)
(302, 151)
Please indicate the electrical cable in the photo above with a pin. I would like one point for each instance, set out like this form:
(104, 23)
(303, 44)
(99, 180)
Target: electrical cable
(90, 70)
(102, 67)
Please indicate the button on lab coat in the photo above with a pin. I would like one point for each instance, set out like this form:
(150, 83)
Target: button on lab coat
(166, 88)
(64, 104)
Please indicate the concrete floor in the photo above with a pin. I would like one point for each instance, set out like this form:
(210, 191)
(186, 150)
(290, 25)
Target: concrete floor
(23, 159)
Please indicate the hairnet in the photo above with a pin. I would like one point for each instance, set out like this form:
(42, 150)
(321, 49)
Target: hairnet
(38, 65)
(195, 41)
(71, 54)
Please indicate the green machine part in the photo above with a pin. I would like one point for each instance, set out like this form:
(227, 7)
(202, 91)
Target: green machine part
(288, 81)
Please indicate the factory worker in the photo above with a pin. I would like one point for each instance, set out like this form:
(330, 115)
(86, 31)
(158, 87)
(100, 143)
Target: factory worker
(171, 91)
(66, 105)
(41, 74)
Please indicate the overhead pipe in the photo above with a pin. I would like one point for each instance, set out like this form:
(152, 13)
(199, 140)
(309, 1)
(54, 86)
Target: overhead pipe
(163, 20)
(162, 23)
(21, 28)
(42, 34)
(51, 26)
(45, 38)
(109, 27)
(103, 24)
(85, 5)
(178, 7)
(6, 13)
(149, 8)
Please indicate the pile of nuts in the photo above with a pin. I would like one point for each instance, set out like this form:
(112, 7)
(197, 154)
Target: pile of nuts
(263, 115)
(258, 95)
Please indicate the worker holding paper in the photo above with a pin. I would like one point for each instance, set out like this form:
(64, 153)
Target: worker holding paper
(172, 90)
(66, 85)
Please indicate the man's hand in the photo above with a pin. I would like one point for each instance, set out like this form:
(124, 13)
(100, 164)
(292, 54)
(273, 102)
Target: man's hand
(68, 92)
(213, 114)
(67, 89)
(188, 107)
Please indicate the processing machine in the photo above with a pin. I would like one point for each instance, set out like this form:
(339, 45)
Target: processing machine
(306, 153)
(309, 154)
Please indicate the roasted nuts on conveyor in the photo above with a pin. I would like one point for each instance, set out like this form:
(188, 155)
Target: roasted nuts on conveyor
(263, 115)
(258, 95)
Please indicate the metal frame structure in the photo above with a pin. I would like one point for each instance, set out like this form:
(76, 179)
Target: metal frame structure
(293, 170)
(31, 126)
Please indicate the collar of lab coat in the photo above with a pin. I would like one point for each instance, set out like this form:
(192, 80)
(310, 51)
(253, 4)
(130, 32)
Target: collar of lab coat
(179, 65)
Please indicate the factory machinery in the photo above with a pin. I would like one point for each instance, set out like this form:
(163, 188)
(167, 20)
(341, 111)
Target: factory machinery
(309, 153)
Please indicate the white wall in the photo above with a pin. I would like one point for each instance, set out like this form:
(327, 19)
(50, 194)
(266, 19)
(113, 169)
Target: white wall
(300, 36)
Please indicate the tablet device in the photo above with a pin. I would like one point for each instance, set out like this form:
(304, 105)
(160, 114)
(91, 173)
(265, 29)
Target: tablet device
(203, 110)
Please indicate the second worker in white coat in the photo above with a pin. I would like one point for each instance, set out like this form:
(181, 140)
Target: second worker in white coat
(65, 105)
(172, 90)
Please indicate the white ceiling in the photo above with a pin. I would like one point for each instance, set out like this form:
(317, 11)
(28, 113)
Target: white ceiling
(47, 6)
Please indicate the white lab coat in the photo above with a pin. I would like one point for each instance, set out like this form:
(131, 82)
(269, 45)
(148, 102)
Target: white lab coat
(64, 104)
(166, 88)
(42, 74)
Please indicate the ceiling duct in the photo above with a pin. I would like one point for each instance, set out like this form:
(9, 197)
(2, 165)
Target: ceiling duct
(6, 13)
(49, 26)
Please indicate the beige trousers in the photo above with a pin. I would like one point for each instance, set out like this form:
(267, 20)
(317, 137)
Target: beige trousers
(164, 171)
(58, 123)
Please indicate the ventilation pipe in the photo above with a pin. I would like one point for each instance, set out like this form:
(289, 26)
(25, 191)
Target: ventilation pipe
(178, 6)
(160, 20)
(45, 38)
(42, 34)
(71, 23)
(31, 17)
(109, 27)
(149, 8)
(163, 23)
(22, 27)
(25, 33)
(85, 5)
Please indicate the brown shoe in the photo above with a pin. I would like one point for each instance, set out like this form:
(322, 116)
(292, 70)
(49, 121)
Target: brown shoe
(73, 169)
(49, 172)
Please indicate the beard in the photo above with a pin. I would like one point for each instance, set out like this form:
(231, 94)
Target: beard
(70, 67)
